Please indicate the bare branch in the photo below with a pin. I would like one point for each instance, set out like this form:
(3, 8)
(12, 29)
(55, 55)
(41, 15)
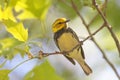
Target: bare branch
(103, 8)
(42, 54)
(93, 33)
(108, 26)
(92, 20)
(92, 38)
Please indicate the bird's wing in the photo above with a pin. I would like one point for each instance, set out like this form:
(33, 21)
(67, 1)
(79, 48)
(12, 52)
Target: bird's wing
(56, 42)
(76, 37)
(71, 60)
(82, 52)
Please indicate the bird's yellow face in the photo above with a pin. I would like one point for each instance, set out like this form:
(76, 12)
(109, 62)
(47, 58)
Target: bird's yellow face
(59, 24)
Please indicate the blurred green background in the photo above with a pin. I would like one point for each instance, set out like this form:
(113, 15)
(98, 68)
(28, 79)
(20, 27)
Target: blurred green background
(26, 26)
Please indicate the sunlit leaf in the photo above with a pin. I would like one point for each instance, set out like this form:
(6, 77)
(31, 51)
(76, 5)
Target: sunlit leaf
(8, 42)
(22, 49)
(7, 47)
(23, 13)
(6, 9)
(7, 14)
(38, 7)
(2, 3)
(34, 8)
(4, 74)
(17, 30)
(43, 72)
(12, 2)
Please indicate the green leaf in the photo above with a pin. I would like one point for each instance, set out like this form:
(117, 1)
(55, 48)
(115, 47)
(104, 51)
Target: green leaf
(7, 47)
(17, 30)
(12, 3)
(4, 74)
(22, 48)
(34, 8)
(2, 3)
(4, 14)
(23, 13)
(113, 15)
(65, 7)
(6, 9)
(43, 72)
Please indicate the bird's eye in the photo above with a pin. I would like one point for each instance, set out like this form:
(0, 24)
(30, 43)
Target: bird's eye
(60, 23)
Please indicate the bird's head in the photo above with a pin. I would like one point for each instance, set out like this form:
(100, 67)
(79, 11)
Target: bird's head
(59, 24)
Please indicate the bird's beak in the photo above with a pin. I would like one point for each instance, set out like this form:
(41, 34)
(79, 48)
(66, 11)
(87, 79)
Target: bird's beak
(66, 21)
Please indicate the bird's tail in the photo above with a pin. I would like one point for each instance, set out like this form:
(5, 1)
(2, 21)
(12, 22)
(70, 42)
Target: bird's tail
(85, 68)
(79, 58)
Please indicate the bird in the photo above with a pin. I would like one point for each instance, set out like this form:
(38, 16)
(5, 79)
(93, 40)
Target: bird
(66, 39)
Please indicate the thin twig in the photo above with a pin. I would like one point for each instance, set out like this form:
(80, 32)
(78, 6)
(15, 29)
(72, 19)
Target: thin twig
(92, 20)
(42, 54)
(108, 61)
(87, 27)
(94, 33)
(103, 8)
(19, 65)
(108, 26)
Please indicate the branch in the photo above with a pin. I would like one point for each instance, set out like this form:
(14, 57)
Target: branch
(92, 38)
(103, 8)
(108, 26)
(42, 54)
(91, 35)
(19, 65)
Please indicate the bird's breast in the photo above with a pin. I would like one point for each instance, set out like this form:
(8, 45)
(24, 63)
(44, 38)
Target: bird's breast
(67, 41)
